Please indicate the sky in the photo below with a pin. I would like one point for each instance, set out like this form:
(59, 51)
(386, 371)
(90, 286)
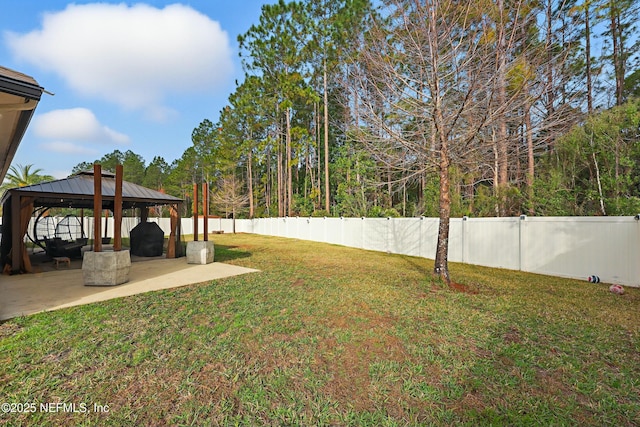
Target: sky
(136, 76)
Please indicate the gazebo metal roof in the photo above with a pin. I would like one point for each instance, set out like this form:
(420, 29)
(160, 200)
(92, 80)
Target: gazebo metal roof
(76, 191)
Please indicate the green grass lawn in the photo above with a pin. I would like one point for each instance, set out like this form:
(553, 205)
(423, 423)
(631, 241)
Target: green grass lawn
(327, 335)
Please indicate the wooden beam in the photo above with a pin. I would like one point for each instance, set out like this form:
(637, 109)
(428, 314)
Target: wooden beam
(82, 223)
(16, 238)
(97, 207)
(171, 245)
(195, 212)
(205, 210)
(178, 238)
(117, 211)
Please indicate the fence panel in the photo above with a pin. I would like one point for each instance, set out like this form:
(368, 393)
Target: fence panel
(404, 236)
(376, 234)
(456, 240)
(428, 237)
(353, 232)
(608, 247)
(334, 230)
(492, 242)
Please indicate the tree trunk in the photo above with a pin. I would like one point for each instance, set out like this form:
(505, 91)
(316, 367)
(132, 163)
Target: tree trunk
(601, 196)
(280, 173)
(250, 183)
(267, 187)
(502, 148)
(496, 169)
(549, 93)
(587, 53)
(319, 163)
(618, 62)
(279, 183)
(530, 158)
(441, 267)
(234, 219)
(289, 203)
(326, 138)
(389, 189)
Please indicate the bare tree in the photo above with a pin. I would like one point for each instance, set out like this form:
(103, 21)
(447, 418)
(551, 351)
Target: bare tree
(230, 197)
(444, 85)
(426, 87)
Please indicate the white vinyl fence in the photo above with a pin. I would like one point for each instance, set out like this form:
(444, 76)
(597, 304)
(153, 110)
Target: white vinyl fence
(574, 247)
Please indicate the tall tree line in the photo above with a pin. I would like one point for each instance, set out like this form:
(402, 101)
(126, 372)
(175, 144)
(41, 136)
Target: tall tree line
(296, 122)
(338, 113)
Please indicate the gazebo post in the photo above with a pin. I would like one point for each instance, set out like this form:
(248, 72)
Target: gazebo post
(97, 207)
(179, 249)
(173, 235)
(199, 252)
(195, 212)
(117, 211)
(205, 210)
(82, 222)
(16, 238)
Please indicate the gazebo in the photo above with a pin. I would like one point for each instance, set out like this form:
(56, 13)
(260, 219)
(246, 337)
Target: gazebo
(76, 191)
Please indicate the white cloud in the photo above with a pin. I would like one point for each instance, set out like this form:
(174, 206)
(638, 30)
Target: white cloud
(65, 147)
(75, 124)
(134, 56)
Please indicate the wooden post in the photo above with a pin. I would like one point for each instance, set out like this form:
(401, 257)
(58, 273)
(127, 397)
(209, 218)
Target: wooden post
(117, 211)
(195, 212)
(97, 207)
(82, 223)
(16, 236)
(171, 246)
(205, 210)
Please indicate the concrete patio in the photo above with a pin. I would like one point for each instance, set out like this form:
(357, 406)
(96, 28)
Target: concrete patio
(51, 289)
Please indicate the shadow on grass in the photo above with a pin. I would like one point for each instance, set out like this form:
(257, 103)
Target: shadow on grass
(421, 267)
(227, 253)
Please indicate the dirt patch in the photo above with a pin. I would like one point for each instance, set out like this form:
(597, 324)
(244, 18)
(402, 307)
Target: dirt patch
(512, 336)
(470, 402)
(7, 329)
(55, 357)
(169, 392)
(348, 369)
(460, 287)
(364, 366)
(346, 315)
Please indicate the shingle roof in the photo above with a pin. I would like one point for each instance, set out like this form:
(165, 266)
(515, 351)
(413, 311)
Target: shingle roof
(17, 83)
(19, 96)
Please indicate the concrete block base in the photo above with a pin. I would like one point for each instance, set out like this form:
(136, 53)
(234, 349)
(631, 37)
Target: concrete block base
(106, 268)
(200, 252)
